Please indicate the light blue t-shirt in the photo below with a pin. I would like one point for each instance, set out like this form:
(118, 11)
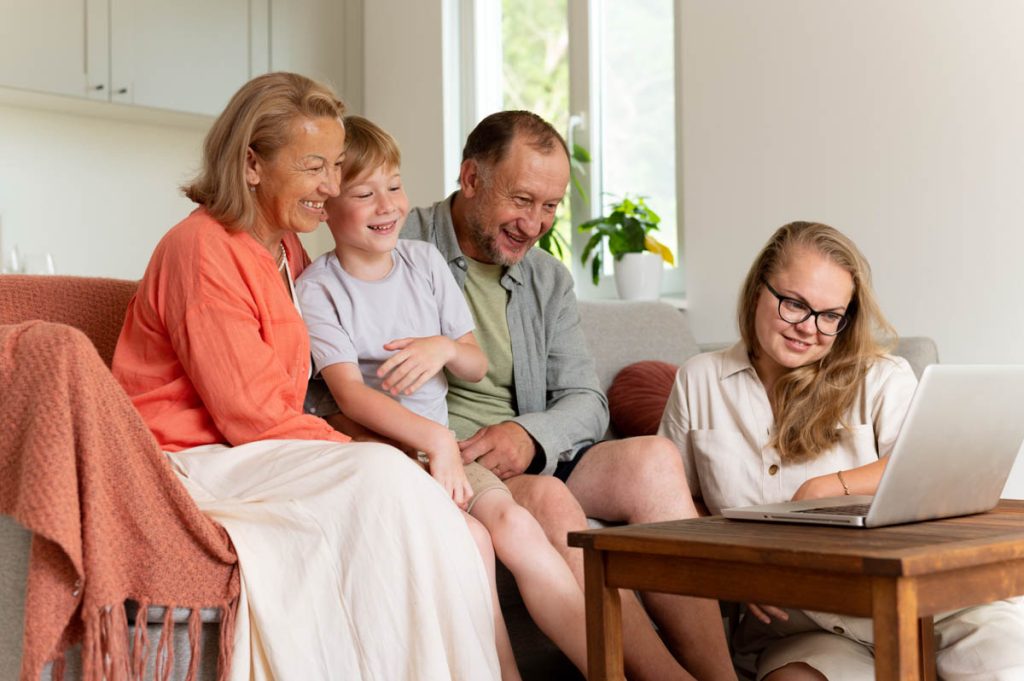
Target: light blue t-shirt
(350, 320)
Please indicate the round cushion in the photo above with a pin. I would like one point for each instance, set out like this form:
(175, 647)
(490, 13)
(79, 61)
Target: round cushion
(637, 397)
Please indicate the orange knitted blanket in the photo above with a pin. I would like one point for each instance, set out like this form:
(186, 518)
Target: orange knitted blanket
(110, 521)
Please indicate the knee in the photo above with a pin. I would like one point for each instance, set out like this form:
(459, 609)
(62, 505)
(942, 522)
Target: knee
(655, 462)
(516, 528)
(796, 671)
(552, 505)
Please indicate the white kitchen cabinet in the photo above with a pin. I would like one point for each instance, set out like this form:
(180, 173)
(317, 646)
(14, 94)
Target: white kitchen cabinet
(55, 46)
(186, 55)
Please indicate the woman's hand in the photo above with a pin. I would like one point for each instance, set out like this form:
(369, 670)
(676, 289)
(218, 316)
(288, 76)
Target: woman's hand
(416, 362)
(765, 613)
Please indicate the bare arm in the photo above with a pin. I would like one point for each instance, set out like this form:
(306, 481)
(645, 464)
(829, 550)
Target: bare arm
(380, 413)
(861, 480)
(419, 359)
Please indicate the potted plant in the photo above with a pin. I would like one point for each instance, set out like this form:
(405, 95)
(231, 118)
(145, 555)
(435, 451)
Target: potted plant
(638, 255)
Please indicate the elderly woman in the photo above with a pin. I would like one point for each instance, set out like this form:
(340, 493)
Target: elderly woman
(808, 405)
(354, 564)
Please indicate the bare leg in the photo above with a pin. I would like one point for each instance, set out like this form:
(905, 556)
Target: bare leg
(641, 480)
(646, 657)
(509, 670)
(549, 589)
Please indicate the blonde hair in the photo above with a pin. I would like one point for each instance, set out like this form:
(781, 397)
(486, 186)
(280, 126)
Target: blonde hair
(367, 147)
(258, 117)
(809, 401)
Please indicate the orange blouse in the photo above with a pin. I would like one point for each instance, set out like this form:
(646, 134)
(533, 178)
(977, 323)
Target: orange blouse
(213, 349)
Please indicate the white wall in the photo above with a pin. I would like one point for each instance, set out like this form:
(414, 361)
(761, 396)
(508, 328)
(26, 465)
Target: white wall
(96, 193)
(898, 122)
(406, 90)
(901, 123)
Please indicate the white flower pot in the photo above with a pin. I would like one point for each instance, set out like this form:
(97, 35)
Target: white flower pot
(638, 276)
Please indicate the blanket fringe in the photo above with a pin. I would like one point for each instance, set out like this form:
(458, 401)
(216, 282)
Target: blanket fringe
(195, 631)
(59, 665)
(227, 639)
(140, 641)
(165, 648)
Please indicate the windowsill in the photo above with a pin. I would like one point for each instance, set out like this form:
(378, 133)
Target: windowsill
(676, 300)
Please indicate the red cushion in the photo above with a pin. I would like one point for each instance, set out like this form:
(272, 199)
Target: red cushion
(637, 397)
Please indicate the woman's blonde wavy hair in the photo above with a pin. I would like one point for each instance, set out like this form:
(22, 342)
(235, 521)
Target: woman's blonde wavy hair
(811, 400)
(258, 117)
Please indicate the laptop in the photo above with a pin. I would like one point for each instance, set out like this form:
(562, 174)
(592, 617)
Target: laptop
(952, 457)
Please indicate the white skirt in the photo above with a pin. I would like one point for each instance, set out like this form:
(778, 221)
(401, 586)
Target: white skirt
(354, 563)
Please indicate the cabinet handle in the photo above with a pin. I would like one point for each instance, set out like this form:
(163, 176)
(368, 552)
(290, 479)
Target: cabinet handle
(98, 87)
(121, 91)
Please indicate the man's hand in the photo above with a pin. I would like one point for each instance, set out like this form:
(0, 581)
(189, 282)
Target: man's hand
(416, 362)
(505, 448)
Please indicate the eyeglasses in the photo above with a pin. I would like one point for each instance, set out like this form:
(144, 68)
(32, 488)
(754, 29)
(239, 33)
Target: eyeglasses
(793, 311)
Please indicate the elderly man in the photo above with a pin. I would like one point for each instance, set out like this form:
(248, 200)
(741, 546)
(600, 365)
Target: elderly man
(540, 409)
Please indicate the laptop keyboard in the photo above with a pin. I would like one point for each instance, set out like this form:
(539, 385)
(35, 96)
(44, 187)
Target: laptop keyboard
(852, 509)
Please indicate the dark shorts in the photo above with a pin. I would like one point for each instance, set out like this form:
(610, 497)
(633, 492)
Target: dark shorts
(563, 469)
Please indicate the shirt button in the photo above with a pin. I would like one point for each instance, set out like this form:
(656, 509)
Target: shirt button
(773, 469)
(461, 262)
(839, 630)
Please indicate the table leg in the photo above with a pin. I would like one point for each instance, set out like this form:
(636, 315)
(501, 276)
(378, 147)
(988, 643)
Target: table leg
(926, 636)
(894, 609)
(604, 621)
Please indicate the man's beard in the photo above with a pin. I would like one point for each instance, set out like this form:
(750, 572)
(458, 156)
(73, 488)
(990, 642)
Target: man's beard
(487, 243)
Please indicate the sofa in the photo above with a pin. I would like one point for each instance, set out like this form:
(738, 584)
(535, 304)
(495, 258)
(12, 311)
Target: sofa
(618, 334)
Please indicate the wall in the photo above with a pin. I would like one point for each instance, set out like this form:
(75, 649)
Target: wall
(898, 122)
(408, 88)
(96, 193)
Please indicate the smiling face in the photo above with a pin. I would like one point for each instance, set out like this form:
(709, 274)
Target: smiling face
(367, 216)
(510, 205)
(815, 280)
(291, 187)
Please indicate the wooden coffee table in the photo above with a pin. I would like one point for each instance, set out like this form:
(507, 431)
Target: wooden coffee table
(901, 576)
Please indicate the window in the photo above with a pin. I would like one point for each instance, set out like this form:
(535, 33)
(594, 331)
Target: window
(603, 73)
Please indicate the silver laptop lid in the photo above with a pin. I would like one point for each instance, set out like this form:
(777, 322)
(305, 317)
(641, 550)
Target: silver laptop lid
(956, 447)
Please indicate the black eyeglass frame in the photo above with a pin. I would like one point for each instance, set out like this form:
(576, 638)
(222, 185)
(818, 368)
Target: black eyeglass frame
(811, 312)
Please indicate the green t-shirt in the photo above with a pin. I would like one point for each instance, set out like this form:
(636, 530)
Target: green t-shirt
(472, 406)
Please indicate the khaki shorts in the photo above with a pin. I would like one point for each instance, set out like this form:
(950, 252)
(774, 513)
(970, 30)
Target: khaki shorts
(482, 481)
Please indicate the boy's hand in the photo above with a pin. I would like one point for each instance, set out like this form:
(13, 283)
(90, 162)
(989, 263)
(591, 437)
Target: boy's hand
(446, 467)
(416, 362)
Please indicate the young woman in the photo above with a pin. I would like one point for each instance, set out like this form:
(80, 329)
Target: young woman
(808, 405)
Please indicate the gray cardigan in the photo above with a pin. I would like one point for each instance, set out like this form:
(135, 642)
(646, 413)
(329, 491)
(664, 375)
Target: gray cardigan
(558, 397)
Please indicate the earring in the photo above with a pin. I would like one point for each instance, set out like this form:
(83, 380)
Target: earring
(252, 189)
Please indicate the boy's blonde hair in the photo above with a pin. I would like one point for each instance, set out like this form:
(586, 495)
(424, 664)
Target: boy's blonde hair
(367, 147)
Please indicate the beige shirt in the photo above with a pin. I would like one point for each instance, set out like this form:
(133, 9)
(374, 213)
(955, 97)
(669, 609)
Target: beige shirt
(719, 416)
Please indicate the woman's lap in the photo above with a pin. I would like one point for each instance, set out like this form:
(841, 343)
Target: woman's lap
(983, 642)
(351, 557)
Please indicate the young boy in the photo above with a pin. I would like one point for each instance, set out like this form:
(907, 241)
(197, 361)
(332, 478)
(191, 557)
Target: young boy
(385, 318)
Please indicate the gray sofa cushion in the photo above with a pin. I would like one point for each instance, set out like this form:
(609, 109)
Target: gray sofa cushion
(619, 333)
